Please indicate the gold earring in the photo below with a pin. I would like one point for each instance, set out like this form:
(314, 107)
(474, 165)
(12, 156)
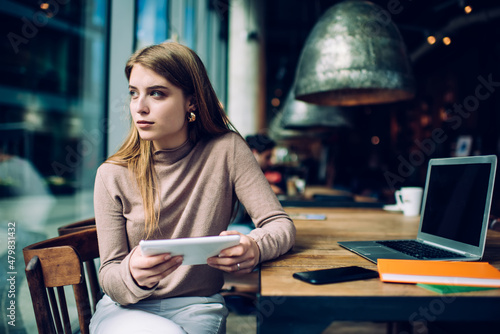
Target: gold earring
(191, 117)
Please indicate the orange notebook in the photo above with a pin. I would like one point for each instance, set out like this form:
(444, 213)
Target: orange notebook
(438, 272)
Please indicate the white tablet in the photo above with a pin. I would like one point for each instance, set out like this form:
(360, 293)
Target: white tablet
(194, 250)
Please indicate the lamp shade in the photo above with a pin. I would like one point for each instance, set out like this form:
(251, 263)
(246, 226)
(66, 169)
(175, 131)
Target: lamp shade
(300, 115)
(278, 132)
(354, 55)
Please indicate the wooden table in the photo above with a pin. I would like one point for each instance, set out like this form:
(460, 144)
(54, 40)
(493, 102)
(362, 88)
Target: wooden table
(287, 305)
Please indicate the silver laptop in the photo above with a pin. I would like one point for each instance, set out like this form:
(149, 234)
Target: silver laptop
(454, 217)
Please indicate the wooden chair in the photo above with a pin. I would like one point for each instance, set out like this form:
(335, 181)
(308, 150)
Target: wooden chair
(53, 264)
(90, 266)
(78, 226)
(240, 292)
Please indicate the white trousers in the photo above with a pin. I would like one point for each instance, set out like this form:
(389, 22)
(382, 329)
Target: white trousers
(172, 315)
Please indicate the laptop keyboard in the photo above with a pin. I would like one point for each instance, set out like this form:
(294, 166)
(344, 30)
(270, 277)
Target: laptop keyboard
(419, 250)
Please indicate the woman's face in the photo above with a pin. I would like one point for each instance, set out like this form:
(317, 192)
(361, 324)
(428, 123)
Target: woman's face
(158, 108)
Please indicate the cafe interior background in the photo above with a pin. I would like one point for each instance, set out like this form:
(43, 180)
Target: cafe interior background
(63, 98)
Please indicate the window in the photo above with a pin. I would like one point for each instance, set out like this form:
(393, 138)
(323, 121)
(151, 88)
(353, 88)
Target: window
(152, 22)
(53, 96)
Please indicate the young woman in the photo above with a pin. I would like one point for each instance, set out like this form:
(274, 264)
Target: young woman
(178, 174)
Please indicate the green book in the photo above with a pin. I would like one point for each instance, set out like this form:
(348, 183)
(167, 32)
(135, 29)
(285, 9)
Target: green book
(443, 289)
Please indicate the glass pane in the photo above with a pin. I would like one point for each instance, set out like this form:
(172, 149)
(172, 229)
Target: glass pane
(189, 35)
(152, 23)
(53, 84)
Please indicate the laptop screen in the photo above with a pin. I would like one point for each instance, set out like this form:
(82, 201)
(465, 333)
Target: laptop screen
(455, 203)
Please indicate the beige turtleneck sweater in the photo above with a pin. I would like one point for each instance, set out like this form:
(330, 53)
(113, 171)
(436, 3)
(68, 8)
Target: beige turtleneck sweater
(198, 188)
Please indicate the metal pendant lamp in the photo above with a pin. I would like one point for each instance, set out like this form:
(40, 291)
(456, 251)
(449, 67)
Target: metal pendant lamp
(354, 55)
(278, 132)
(298, 115)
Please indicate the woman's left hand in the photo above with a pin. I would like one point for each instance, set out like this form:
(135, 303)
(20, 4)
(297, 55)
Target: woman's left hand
(239, 259)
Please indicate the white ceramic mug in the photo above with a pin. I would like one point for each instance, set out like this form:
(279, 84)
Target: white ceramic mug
(409, 200)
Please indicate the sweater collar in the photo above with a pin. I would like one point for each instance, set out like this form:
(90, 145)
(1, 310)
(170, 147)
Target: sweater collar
(171, 156)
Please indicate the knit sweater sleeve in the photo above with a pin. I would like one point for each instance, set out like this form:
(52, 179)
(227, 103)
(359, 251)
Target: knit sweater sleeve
(275, 231)
(114, 274)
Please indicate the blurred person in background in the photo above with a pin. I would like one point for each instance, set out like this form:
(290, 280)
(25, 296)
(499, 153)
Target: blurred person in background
(262, 148)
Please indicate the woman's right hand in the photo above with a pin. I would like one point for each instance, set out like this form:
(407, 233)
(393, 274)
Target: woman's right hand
(147, 271)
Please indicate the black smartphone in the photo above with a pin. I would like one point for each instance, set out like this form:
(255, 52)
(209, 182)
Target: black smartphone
(335, 275)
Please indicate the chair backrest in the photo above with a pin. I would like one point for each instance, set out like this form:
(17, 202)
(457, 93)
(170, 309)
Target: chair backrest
(89, 266)
(75, 227)
(53, 264)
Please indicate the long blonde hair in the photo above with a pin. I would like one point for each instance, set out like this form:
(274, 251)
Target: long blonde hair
(182, 67)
